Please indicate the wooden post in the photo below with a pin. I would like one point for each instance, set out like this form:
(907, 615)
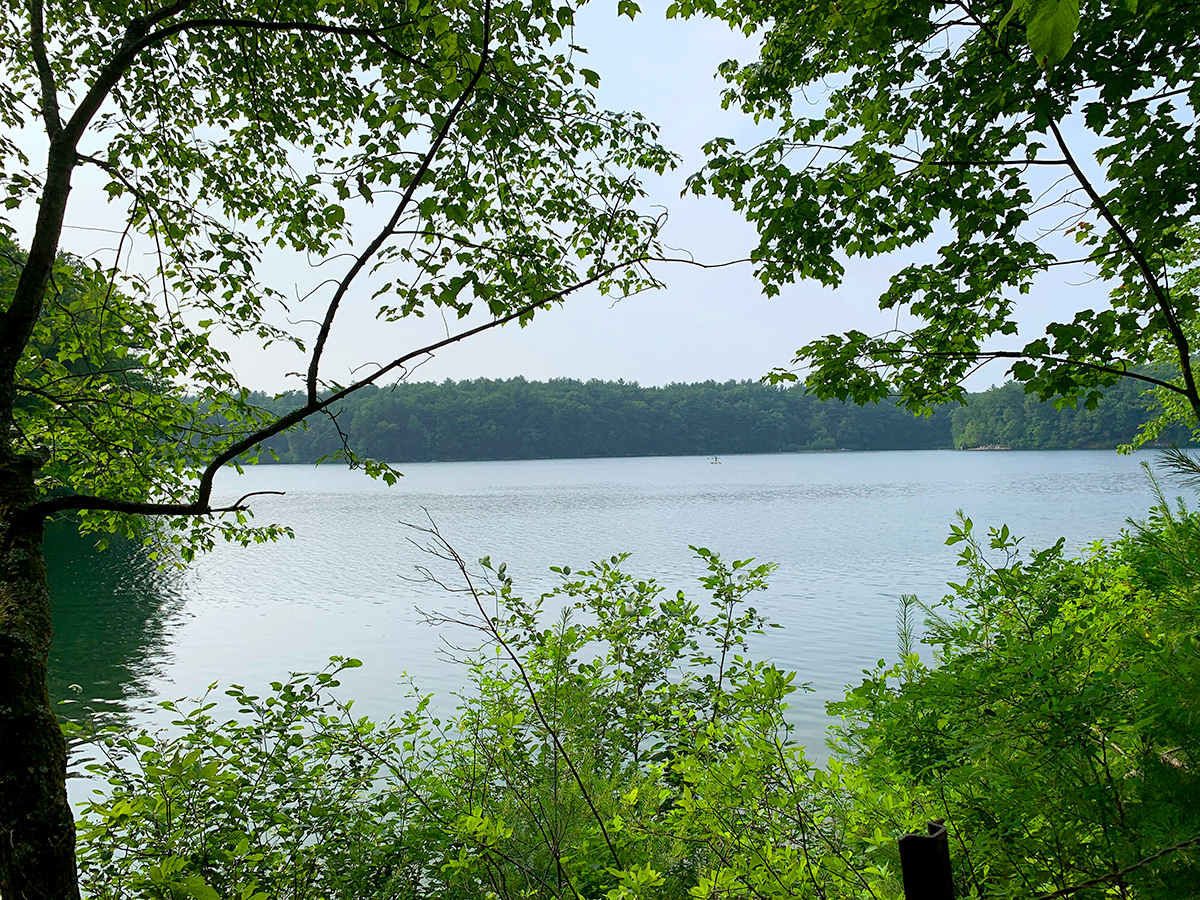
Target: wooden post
(925, 864)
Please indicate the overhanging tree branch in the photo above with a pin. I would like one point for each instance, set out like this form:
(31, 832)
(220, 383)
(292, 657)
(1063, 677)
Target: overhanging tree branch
(25, 307)
(160, 76)
(201, 506)
(371, 249)
(37, 42)
(17, 323)
(1162, 301)
(299, 26)
(988, 356)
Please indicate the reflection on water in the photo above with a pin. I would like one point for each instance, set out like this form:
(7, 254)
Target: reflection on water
(113, 612)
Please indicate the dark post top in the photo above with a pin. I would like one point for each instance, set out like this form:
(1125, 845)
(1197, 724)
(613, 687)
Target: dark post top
(925, 864)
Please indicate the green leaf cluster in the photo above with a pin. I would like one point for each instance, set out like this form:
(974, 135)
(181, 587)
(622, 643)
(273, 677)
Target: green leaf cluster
(231, 138)
(985, 156)
(275, 804)
(99, 393)
(545, 781)
(1057, 731)
(259, 126)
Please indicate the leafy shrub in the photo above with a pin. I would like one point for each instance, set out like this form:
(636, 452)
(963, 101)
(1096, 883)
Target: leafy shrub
(616, 743)
(545, 782)
(1057, 732)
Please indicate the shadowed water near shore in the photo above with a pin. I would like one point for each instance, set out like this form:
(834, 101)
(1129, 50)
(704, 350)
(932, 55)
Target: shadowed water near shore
(113, 611)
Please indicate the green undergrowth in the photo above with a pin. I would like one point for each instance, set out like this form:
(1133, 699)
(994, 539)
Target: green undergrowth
(617, 742)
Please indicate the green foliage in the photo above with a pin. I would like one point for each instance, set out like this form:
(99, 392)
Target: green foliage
(938, 128)
(235, 139)
(618, 743)
(565, 419)
(1050, 27)
(232, 136)
(1173, 410)
(546, 781)
(98, 390)
(1058, 731)
(1006, 416)
(276, 804)
(208, 121)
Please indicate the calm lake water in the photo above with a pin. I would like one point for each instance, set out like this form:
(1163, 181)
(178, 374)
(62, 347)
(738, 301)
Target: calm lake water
(851, 532)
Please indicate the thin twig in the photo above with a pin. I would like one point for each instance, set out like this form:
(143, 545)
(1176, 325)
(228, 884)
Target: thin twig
(445, 551)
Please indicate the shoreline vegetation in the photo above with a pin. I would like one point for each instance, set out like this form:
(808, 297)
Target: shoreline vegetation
(619, 741)
(487, 419)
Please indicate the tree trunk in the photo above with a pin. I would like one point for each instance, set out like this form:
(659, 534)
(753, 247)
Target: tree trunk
(37, 832)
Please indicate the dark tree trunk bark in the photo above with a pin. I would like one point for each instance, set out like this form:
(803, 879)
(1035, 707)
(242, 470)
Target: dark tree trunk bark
(37, 832)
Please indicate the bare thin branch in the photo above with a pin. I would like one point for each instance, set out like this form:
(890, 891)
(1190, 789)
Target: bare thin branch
(445, 550)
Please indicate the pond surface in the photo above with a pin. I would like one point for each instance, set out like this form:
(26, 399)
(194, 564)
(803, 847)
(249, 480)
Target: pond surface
(850, 532)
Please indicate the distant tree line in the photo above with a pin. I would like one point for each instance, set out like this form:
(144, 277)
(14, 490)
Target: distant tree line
(1006, 416)
(563, 418)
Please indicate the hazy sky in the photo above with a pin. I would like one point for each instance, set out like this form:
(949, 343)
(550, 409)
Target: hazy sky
(706, 324)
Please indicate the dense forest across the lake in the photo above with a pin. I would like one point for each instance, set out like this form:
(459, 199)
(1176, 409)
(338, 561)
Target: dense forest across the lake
(563, 418)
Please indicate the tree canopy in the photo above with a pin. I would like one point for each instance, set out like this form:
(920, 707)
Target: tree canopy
(467, 132)
(424, 155)
(945, 127)
(565, 419)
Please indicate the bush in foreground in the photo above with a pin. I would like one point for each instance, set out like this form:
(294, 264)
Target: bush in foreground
(616, 742)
